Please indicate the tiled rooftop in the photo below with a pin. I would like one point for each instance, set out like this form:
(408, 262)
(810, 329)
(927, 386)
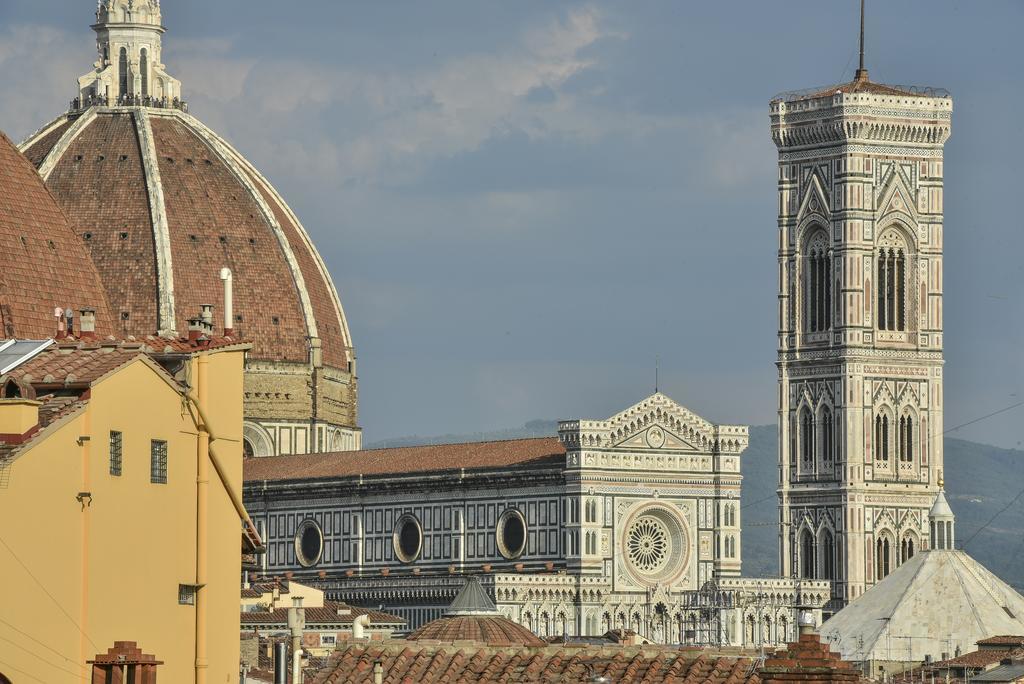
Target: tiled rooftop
(43, 264)
(474, 455)
(213, 221)
(432, 663)
(331, 613)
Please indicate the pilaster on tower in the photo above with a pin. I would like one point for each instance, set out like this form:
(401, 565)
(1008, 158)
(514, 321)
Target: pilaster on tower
(129, 68)
(860, 326)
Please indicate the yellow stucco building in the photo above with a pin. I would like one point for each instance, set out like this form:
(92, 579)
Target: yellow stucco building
(120, 476)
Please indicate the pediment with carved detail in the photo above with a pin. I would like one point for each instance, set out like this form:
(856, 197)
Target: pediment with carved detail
(656, 423)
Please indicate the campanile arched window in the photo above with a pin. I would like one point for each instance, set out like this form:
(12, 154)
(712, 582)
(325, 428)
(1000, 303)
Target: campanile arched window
(807, 437)
(807, 560)
(906, 445)
(817, 284)
(827, 437)
(891, 281)
(122, 70)
(144, 71)
(882, 436)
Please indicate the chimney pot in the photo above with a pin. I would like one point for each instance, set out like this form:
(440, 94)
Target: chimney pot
(195, 329)
(206, 313)
(87, 323)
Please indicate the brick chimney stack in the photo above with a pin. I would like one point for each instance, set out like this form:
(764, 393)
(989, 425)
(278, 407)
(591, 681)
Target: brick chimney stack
(87, 318)
(195, 329)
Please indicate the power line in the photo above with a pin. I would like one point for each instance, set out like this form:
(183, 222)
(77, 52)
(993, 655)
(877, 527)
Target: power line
(992, 519)
(40, 658)
(984, 417)
(32, 638)
(55, 601)
(14, 669)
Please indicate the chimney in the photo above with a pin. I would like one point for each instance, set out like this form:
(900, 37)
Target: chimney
(225, 275)
(87, 318)
(62, 325)
(229, 309)
(195, 329)
(806, 622)
(206, 313)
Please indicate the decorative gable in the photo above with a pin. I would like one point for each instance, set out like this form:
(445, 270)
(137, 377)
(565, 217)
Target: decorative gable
(657, 422)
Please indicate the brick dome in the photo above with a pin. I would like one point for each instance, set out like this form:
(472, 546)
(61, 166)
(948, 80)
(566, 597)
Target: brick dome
(472, 616)
(162, 203)
(43, 264)
(492, 630)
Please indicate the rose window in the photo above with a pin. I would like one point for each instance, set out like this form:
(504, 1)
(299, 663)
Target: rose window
(655, 544)
(648, 545)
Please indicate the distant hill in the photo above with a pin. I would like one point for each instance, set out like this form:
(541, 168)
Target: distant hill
(980, 481)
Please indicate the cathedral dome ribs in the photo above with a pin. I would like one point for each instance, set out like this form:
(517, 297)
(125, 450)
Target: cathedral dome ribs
(163, 204)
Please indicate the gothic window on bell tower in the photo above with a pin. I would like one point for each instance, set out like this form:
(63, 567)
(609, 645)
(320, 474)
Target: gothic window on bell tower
(906, 445)
(828, 555)
(891, 282)
(807, 560)
(807, 438)
(882, 427)
(827, 438)
(817, 267)
(144, 71)
(122, 70)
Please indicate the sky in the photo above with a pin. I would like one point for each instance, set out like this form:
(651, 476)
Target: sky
(528, 205)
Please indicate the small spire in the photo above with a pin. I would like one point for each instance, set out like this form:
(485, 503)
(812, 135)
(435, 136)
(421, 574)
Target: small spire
(862, 73)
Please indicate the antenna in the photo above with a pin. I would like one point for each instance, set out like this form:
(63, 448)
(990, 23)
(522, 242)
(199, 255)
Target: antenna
(862, 73)
(657, 364)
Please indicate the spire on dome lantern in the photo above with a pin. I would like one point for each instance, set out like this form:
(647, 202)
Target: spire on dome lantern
(129, 71)
(942, 522)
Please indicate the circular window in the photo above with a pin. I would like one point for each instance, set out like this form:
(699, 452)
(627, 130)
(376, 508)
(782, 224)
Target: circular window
(511, 534)
(648, 544)
(309, 544)
(656, 545)
(407, 538)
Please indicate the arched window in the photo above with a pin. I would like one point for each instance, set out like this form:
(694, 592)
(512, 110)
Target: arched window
(817, 284)
(882, 558)
(906, 549)
(122, 70)
(907, 438)
(828, 555)
(807, 564)
(827, 437)
(891, 282)
(144, 70)
(882, 437)
(807, 436)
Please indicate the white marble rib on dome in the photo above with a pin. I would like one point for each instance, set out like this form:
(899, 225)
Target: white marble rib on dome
(932, 604)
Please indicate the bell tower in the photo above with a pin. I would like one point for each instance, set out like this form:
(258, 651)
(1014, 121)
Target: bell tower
(860, 406)
(129, 69)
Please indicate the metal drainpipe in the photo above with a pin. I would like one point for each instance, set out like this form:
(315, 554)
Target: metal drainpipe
(202, 526)
(85, 498)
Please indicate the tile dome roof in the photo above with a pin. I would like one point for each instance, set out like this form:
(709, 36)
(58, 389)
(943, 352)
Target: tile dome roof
(162, 203)
(43, 264)
(473, 617)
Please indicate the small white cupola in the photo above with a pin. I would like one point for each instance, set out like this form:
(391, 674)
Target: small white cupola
(129, 71)
(942, 522)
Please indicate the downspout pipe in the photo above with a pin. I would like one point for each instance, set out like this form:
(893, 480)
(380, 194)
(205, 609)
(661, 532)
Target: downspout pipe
(202, 525)
(222, 475)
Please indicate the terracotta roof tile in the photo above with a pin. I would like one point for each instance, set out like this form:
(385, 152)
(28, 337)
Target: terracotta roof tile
(42, 262)
(429, 663)
(328, 614)
(491, 630)
(213, 222)
(470, 455)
